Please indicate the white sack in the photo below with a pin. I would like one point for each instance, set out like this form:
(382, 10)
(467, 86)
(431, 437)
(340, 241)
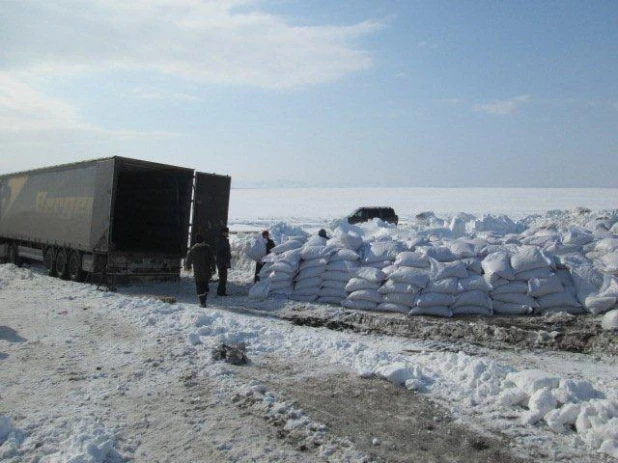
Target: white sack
(441, 270)
(315, 252)
(597, 305)
(436, 311)
(541, 272)
(446, 285)
(256, 249)
(471, 310)
(462, 249)
(587, 281)
(609, 288)
(316, 241)
(528, 258)
(515, 298)
(308, 282)
(332, 292)
(286, 246)
(472, 298)
(344, 254)
(343, 265)
(379, 251)
(428, 299)
(334, 284)
(407, 299)
(577, 235)
(356, 284)
(412, 259)
(335, 275)
(562, 299)
(315, 262)
(508, 308)
(411, 275)
(474, 282)
(311, 272)
(473, 264)
(360, 304)
(259, 290)
(369, 274)
(392, 287)
(282, 267)
(307, 291)
(391, 307)
(439, 253)
(365, 295)
(498, 264)
(511, 287)
(538, 287)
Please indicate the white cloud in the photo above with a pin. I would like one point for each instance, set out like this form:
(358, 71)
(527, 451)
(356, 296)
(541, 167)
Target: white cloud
(25, 110)
(22, 108)
(503, 107)
(212, 41)
(154, 93)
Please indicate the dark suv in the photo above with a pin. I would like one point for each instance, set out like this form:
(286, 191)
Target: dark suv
(364, 214)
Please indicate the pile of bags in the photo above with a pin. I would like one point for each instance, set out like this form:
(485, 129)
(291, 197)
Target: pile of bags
(537, 271)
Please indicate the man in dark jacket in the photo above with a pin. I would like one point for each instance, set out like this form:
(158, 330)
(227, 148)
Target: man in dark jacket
(201, 259)
(224, 260)
(269, 245)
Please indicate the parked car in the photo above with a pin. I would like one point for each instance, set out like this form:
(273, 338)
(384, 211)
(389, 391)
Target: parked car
(364, 214)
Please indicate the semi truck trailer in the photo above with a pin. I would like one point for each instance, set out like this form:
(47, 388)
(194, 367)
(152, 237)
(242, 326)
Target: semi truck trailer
(110, 216)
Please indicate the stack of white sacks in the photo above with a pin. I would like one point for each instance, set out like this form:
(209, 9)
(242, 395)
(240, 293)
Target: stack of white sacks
(341, 265)
(376, 264)
(280, 267)
(403, 285)
(525, 280)
(511, 275)
(314, 257)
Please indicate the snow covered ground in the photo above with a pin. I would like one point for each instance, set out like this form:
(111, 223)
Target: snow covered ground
(89, 375)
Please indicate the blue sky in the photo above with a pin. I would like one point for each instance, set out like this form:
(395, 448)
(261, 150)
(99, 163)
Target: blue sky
(347, 93)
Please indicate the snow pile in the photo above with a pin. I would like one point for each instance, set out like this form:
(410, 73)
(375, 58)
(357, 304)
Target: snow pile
(11, 439)
(92, 444)
(564, 406)
(610, 321)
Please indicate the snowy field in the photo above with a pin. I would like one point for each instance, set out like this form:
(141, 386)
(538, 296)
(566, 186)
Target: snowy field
(315, 206)
(95, 376)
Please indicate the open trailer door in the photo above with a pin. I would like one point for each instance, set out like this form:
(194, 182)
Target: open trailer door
(210, 206)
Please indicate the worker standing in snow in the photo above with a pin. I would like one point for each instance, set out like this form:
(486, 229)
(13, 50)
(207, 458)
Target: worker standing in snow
(224, 260)
(200, 258)
(269, 245)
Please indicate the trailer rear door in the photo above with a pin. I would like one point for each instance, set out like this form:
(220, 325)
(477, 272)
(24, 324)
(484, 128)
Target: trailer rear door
(210, 206)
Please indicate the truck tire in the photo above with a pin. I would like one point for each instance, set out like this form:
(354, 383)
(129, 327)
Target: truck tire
(62, 264)
(75, 267)
(13, 255)
(49, 260)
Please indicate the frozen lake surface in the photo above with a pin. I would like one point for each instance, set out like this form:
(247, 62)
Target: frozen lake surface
(315, 206)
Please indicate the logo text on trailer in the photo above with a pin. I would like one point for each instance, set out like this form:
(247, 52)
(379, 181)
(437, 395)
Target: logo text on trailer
(65, 207)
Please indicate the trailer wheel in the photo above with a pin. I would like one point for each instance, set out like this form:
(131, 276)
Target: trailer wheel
(75, 267)
(13, 255)
(62, 264)
(49, 260)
